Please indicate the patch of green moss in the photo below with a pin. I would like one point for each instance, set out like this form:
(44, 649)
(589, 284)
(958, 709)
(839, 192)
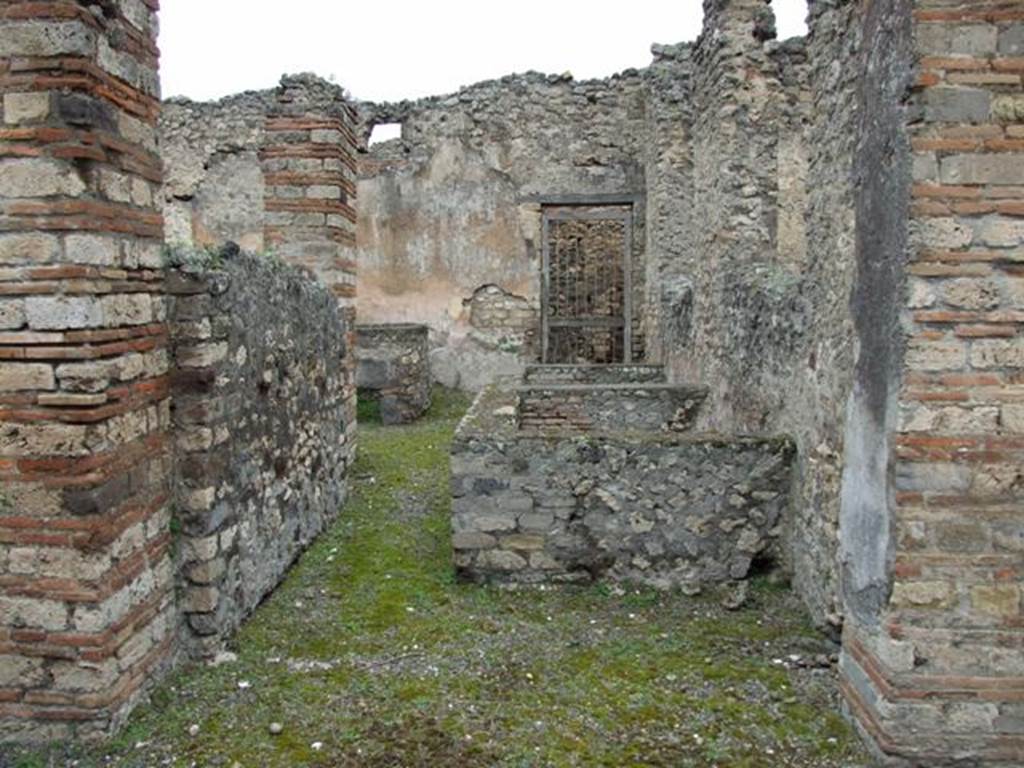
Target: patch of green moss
(194, 257)
(367, 409)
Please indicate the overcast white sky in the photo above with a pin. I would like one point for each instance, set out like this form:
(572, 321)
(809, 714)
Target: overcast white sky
(394, 49)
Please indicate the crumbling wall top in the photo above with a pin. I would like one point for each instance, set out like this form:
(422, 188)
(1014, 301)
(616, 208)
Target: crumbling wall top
(490, 91)
(739, 19)
(292, 89)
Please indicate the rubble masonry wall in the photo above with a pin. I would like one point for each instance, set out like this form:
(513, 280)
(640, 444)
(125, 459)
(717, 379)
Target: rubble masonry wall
(261, 423)
(450, 214)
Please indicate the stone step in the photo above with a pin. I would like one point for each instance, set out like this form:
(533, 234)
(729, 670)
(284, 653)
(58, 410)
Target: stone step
(632, 373)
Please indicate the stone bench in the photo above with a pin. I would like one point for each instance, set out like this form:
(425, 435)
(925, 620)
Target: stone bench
(394, 369)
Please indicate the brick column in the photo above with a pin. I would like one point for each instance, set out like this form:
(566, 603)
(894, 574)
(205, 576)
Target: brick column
(309, 169)
(938, 673)
(85, 571)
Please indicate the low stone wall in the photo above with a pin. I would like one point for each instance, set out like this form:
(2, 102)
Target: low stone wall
(260, 387)
(394, 369)
(667, 509)
(586, 407)
(593, 374)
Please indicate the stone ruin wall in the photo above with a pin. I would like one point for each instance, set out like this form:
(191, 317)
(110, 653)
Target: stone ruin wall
(134, 526)
(513, 141)
(749, 278)
(742, 198)
(793, 165)
(734, 262)
(261, 391)
(273, 172)
(912, 201)
(669, 177)
(265, 354)
(465, 258)
(753, 281)
(819, 376)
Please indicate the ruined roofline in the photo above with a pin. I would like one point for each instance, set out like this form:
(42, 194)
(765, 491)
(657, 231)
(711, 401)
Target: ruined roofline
(382, 110)
(313, 83)
(389, 111)
(681, 53)
(394, 111)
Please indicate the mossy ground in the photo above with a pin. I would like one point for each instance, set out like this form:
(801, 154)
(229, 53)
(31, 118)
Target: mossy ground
(370, 654)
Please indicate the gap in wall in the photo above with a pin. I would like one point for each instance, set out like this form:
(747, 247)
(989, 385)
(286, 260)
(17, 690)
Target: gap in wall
(790, 18)
(385, 132)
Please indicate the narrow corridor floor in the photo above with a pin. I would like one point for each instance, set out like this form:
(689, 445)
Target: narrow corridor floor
(370, 654)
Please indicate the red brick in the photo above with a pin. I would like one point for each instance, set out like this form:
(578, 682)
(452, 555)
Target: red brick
(983, 331)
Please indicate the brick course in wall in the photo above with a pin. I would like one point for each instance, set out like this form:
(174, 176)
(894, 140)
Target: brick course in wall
(86, 608)
(91, 460)
(913, 200)
(594, 374)
(309, 168)
(625, 406)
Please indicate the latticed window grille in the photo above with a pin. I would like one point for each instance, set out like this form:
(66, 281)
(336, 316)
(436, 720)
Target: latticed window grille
(587, 284)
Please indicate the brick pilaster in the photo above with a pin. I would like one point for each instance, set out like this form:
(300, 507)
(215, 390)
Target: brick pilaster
(941, 675)
(86, 610)
(309, 169)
